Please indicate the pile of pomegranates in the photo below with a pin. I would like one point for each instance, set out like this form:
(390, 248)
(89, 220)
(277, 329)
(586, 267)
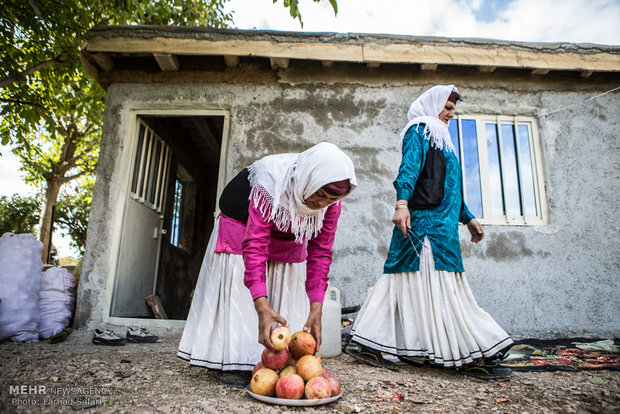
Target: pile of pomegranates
(293, 371)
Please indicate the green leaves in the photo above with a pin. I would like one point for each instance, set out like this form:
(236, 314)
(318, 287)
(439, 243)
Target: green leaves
(294, 11)
(19, 214)
(73, 210)
(334, 6)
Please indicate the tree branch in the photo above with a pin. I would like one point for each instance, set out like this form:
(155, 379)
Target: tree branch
(35, 68)
(17, 101)
(73, 177)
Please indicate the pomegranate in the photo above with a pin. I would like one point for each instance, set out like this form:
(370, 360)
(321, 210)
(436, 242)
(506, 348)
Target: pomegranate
(290, 370)
(275, 359)
(257, 367)
(326, 373)
(309, 366)
(291, 387)
(280, 337)
(335, 385)
(302, 343)
(264, 382)
(318, 387)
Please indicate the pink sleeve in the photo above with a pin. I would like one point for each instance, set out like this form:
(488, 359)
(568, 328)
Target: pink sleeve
(255, 247)
(320, 255)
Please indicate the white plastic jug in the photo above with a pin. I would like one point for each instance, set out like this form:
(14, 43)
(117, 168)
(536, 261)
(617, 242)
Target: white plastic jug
(331, 341)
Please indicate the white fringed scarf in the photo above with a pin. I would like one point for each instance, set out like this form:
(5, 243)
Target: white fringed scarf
(426, 109)
(280, 184)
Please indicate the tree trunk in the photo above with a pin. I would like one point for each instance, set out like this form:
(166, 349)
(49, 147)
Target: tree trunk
(51, 196)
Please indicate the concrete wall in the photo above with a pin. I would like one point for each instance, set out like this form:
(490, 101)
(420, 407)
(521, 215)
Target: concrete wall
(557, 279)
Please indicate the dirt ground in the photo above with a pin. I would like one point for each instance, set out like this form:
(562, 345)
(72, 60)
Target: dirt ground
(148, 378)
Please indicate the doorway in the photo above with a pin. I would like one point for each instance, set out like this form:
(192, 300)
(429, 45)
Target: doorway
(162, 245)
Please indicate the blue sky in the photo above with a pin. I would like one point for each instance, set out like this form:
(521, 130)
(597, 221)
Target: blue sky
(490, 10)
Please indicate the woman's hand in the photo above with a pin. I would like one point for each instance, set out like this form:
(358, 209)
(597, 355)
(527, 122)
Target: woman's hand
(266, 318)
(476, 230)
(402, 219)
(313, 324)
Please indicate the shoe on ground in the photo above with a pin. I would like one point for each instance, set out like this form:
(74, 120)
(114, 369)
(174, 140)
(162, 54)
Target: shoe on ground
(107, 337)
(415, 361)
(369, 356)
(487, 370)
(239, 379)
(140, 335)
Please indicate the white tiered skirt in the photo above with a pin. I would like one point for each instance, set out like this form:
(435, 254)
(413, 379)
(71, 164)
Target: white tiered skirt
(221, 331)
(429, 315)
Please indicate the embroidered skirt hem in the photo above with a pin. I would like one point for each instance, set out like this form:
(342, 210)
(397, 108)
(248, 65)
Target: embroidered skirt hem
(430, 314)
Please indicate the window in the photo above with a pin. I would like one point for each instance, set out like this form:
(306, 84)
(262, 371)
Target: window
(176, 213)
(183, 210)
(150, 168)
(502, 169)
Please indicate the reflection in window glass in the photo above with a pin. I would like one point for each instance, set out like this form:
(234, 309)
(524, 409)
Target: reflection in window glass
(510, 174)
(473, 192)
(454, 135)
(526, 169)
(495, 175)
(176, 213)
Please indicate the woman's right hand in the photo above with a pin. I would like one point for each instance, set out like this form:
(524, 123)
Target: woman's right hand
(266, 318)
(402, 219)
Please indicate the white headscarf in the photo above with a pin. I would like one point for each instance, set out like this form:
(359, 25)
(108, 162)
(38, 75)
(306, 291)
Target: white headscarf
(426, 109)
(280, 184)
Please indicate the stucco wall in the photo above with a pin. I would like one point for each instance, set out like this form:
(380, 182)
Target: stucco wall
(558, 279)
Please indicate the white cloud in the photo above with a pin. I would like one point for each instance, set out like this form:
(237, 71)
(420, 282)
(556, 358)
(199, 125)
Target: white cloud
(11, 179)
(576, 21)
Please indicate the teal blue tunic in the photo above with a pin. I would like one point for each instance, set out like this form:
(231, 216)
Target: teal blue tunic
(440, 224)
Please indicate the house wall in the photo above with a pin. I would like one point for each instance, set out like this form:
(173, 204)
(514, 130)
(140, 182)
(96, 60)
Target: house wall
(557, 279)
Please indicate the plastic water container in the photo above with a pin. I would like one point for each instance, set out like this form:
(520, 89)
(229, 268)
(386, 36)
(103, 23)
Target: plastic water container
(331, 341)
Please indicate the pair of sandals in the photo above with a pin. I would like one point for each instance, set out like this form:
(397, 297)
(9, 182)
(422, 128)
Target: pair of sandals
(375, 358)
(369, 356)
(487, 369)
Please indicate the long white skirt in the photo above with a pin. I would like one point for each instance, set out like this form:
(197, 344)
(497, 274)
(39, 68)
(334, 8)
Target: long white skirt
(221, 331)
(429, 314)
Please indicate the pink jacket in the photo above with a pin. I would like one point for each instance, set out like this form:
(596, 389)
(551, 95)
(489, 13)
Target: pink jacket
(260, 241)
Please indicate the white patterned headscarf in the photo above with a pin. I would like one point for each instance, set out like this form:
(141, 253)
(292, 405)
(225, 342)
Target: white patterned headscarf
(426, 109)
(280, 184)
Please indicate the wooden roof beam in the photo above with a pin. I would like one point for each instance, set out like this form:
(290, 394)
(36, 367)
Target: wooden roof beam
(89, 66)
(504, 55)
(231, 61)
(167, 61)
(428, 66)
(104, 61)
(279, 63)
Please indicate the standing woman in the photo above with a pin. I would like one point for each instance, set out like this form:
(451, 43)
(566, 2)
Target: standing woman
(274, 235)
(422, 308)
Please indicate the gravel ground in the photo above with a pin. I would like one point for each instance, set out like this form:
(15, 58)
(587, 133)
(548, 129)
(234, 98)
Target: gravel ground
(149, 378)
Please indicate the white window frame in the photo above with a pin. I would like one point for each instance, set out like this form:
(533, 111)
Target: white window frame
(483, 159)
(150, 138)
